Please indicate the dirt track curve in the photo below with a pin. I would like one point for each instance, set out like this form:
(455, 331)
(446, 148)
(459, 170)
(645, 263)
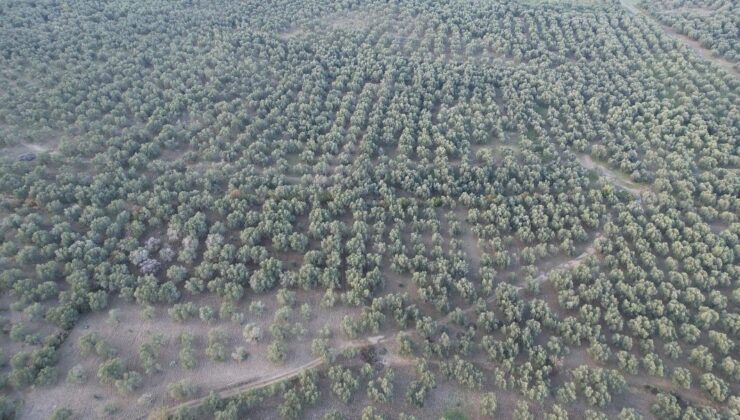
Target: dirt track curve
(241, 387)
(694, 45)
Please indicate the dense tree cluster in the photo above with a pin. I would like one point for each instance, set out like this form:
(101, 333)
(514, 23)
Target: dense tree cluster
(431, 170)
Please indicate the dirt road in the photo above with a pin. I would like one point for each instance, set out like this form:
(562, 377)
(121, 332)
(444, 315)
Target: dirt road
(694, 45)
(250, 384)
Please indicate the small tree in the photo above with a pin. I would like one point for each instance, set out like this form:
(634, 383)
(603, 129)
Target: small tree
(521, 412)
(77, 375)
(344, 384)
(276, 352)
(182, 390)
(240, 354)
(381, 390)
(488, 404)
(714, 387)
(252, 332)
(187, 353)
(216, 349)
(681, 377)
(666, 406)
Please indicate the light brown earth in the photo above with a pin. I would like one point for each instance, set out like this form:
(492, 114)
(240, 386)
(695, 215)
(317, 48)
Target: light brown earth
(241, 387)
(86, 400)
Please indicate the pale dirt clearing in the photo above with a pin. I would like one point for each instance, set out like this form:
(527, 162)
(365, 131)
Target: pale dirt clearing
(613, 176)
(16, 150)
(694, 11)
(355, 20)
(36, 147)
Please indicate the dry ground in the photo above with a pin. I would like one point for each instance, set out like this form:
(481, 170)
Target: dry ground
(86, 400)
(614, 177)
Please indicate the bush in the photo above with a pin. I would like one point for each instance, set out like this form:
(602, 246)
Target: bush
(62, 414)
(252, 332)
(216, 349)
(276, 352)
(488, 404)
(182, 390)
(240, 354)
(187, 353)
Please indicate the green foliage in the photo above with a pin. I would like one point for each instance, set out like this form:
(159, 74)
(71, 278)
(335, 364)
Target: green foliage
(149, 354)
(77, 375)
(334, 415)
(93, 343)
(182, 311)
(488, 404)
(629, 413)
(380, 390)
(464, 372)
(597, 385)
(501, 184)
(320, 348)
(292, 407)
(252, 332)
(216, 348)
(303, 392)
(714, 387)
(8, 408)
(405, 345)
(114, 317)
(187, 352)
(207, 314)
(343, 383)
(419, 388)
(62, 414)
(240, 354)
(182, 390)
(257, 307)
(681, 377)
(113, 372)
(276, 351)
(522, 411)
(666, 406)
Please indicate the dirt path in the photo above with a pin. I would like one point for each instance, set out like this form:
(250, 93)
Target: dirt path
(614, 177)
(694, 45)
(35, 147)
(567, 265)
(574, 262)
(250, 384)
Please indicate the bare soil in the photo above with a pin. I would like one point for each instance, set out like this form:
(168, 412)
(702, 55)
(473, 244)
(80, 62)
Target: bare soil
(126, 337)
(613, 176)
(356, 20)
